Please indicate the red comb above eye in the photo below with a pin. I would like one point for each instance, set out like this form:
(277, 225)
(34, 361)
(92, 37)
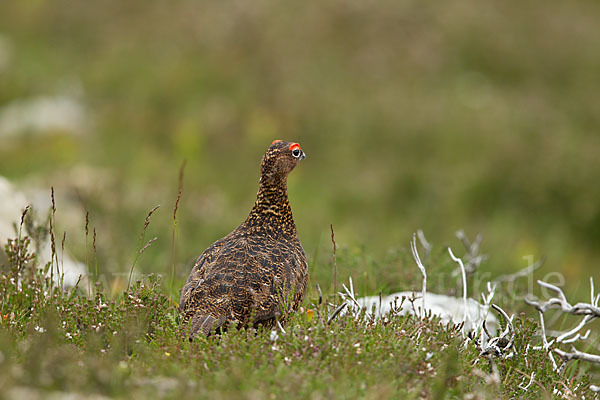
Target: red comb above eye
(276, 141)
(294, 146)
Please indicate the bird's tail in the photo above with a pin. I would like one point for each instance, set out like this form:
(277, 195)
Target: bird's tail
(204, 324)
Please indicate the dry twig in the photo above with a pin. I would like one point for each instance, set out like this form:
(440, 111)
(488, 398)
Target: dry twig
(590, 311)
(472, 257)
(415, 253)
(464, 281)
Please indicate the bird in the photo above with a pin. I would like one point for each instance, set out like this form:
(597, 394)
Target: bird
(254, 274)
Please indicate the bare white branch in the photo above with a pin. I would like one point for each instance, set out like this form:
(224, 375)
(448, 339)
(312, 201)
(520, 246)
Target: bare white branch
(464, 280)
(526, 387)
(509, 325)
(350, 293)
(578, 355)
(589, 311)
(561, 302)
(280, 327)
(553, 288)
(426, 245)
(491, 288)
(546, 344)
(501, 345)
(577, 337)
(565, 337)
(415, 253)
(472, 257)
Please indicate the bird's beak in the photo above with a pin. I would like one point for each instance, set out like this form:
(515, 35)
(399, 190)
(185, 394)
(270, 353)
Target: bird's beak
(303, 155)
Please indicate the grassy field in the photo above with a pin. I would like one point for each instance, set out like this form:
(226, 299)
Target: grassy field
(55, 343)
(482, 117)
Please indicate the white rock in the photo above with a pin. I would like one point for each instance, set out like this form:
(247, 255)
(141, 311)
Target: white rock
(43, 114)
(13, 203)
(448, 308)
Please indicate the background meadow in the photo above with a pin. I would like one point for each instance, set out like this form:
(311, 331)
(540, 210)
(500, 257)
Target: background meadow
(475, 116)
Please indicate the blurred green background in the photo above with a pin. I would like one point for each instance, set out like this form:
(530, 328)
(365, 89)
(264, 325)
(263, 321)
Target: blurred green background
(433, 115)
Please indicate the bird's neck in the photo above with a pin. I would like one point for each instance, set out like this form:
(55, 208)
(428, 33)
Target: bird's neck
(272, 209)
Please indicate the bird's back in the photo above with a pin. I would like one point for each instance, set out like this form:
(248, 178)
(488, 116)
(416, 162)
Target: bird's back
(245, 279)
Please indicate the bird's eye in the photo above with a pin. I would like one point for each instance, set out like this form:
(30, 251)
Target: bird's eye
(296, 152)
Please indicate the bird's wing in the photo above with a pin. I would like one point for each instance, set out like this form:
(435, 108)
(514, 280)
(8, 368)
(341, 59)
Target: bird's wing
(196, 277)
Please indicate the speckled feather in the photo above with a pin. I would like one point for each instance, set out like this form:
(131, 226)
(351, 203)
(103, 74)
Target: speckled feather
(248, 277)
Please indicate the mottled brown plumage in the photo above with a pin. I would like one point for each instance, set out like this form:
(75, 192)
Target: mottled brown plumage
(248, 277)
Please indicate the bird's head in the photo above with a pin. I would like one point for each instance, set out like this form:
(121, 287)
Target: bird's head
(279, 160)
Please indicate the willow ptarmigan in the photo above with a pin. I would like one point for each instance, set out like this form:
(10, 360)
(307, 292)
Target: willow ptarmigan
(247, 277)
